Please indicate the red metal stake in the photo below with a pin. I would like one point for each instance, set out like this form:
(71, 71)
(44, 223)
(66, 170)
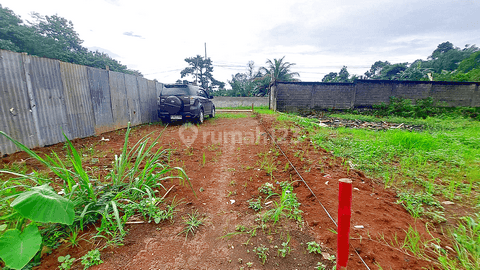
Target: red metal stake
(344, 215)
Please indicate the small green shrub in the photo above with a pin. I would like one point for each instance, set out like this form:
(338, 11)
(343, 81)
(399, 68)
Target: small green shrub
(66, 262)
(314, 247)
(255, 204)
(262, 253)
(91, 258)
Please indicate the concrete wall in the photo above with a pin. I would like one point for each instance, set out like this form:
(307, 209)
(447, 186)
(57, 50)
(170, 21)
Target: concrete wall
(305, 96)
(222, 102)
(301, 96)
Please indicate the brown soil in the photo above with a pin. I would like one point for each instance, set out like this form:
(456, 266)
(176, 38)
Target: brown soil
(230, 176)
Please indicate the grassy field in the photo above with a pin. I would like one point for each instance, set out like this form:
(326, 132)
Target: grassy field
(429, 168)
(439, 164)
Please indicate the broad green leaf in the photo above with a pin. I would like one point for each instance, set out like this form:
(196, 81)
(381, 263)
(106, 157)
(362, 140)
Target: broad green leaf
(18, 248)
(42, 204)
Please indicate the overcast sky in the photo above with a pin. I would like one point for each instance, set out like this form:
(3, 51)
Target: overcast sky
(155, 37)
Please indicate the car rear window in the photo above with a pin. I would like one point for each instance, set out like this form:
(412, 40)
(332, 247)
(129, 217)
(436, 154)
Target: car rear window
(178, 90)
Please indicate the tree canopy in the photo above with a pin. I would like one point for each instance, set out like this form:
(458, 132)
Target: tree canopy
(279, 70)
(342, 77)
(256, 82)
(51, 37)
(201, 69)
(446, 63)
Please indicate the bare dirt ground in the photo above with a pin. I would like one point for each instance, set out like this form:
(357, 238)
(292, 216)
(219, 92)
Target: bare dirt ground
(230, 175)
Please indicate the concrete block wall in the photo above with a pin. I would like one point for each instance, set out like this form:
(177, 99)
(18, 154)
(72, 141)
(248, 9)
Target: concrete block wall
(368, 93)
(338, 95)
(453, 94)
(294, 97)
(223, 102)
(476, 97)
(305, 96)
(413, 91)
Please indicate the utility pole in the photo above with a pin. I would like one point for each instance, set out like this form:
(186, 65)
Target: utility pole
(196, 73)
(206, 62)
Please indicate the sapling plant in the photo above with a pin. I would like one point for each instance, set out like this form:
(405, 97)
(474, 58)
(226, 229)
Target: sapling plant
(314, 247)
(262, 253)
(284, 249)
(255, 204)
(267, 189)
(192, 223)
(204, 160)
(66, 262)
(90, 259)
(288, 206)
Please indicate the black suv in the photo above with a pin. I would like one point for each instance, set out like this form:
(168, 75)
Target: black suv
(184, 102)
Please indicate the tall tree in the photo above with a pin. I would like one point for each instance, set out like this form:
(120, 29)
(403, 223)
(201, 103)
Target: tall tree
(441, 49)
(201, 69)
(415, 72)
(59, 29)
(245, 84)
(376, 68)
(343, 76)
(14, 35)
(279, 70)
(446, 57)
(276, 70)
(330, 77)
(392, 72)
(52, 37)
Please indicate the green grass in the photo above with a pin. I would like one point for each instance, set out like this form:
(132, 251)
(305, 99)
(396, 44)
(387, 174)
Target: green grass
(467, 242)
(265, 110)
(257, 109)
(444, 158)
(231, 115)
(192, 222)
(131, 187)
(425, 167)
(244, 108)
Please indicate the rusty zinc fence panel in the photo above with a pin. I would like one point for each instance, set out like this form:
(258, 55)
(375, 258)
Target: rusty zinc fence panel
(102, 106)
(152, 103)
(118, 94)
(47, 89)
(133, 100)
(16, 118)
(78, 100)
(156, 99)
(146, 113)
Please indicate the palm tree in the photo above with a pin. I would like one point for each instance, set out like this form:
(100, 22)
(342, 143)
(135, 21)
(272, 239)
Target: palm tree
(278, 70)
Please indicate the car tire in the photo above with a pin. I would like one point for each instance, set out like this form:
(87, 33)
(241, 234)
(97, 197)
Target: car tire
(201, 117)
(212, 115)
(165, 120)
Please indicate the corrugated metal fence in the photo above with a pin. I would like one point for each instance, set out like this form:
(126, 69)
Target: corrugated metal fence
(40, 98)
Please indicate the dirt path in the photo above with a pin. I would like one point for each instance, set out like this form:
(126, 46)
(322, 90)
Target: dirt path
(223, 166)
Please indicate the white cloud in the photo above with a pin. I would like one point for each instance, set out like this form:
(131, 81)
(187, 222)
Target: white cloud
(319, 36)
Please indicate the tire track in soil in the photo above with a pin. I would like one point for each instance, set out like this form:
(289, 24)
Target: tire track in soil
(169, 250)
(152, 246)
